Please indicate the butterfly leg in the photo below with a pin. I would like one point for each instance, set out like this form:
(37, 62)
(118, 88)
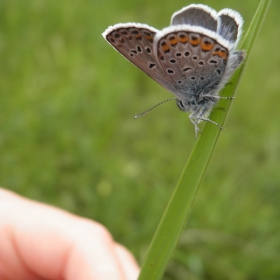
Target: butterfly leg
(208, 120)
(219, 97)
(195, 121)
(227, 97)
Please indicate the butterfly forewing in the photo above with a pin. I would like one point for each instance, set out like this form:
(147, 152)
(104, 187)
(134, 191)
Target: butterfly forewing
(135, 42)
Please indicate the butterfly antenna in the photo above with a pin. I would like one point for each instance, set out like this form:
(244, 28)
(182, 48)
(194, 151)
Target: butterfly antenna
(144, 113)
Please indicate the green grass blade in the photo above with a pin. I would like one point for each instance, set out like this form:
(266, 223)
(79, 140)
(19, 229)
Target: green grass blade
(180, 204)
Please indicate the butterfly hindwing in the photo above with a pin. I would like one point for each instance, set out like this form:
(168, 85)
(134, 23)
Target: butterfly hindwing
(194, 62)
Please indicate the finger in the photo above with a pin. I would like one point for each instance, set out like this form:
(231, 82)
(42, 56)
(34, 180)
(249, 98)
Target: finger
(131, 272)
(45, 242)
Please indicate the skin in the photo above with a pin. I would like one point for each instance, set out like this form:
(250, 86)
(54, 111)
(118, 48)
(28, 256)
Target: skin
(38, 241)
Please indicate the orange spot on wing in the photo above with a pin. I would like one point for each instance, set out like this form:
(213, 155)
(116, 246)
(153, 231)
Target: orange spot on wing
(183, 38)
(207, 46)
(173, 41)
(222, 53)
(138, 36)
(165, 47)
(149, 38)
(194, 40)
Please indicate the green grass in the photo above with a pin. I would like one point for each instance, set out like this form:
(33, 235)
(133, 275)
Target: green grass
(177, 212)
(68, 137)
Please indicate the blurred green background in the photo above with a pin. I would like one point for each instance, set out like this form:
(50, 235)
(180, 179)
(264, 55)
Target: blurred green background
(68, 137)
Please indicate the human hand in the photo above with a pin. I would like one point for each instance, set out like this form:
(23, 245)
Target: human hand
(38, 241)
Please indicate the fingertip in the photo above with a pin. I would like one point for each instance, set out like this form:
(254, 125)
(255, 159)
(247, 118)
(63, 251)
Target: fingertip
(128, 262)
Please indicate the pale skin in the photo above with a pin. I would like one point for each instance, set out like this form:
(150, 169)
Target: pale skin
(38, 241)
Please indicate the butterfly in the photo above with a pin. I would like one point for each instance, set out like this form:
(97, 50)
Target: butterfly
(193, 58)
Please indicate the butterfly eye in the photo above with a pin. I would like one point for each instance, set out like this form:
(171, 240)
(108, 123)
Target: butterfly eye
(180, 104)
